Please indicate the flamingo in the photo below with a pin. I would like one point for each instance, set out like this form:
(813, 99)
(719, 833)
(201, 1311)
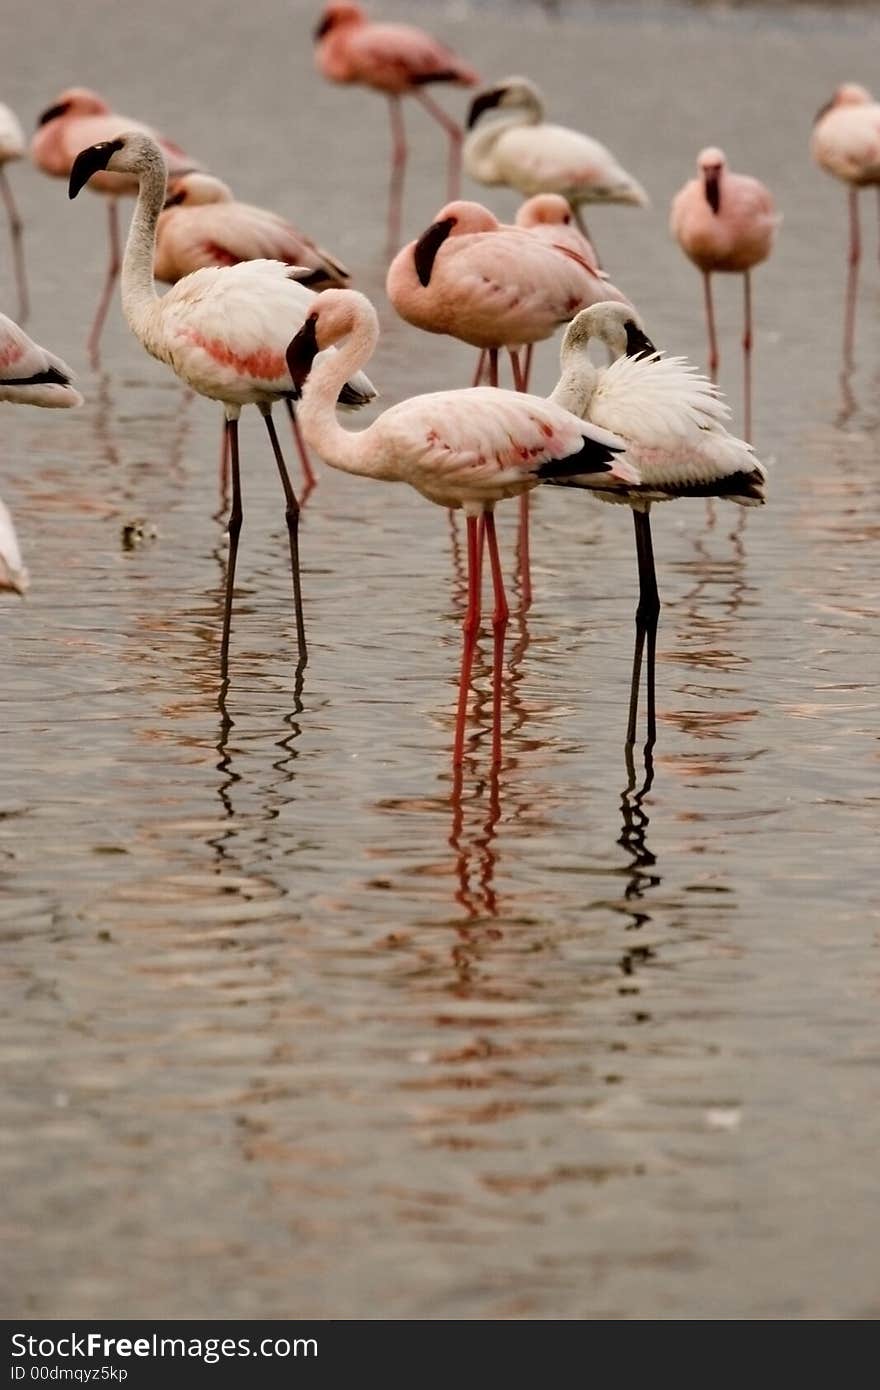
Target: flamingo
(204, 225)
(12, 146)
(725, 222)
(223, 331)
(518, 148)
(13, 575)
(549, 217)
(672, 421)
(31, 375)
(399, 60)
(492, 286)
(461, 449)
(77, 118)
(846, 143)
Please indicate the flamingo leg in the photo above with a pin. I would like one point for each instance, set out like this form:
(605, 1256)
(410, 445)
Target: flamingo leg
(113, 268)
(308, 471)
(291, 516)
(527, 366)
(852, 279)
(453, 130)
(499, 628)
(747, 355)
(224, 467)
(234, 529)
(647, 615)
(493, 366)
(481, 367)
(524, 559)
(398, 169)
(15, 233)
(470, 628)
(710, 325)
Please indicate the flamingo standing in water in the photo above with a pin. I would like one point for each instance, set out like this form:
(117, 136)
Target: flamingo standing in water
(399, 60)
(77, 118)
(12, 147)
(222, 331)
(492, 286)
(725, 222)
(672, 421)
(519, 149)
(846, 143)
(204, 225)
(468, 448)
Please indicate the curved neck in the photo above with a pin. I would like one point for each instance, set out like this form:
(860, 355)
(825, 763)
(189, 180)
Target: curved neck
(316, 412)
(138, 290)
(579, 378)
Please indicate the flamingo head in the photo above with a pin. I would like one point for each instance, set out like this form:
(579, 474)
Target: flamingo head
(711, 163)
(188, 190)
(619, 326)
(334, 315)
(128, 154)
(75, 101)
(847, 94)
(545, 209)
(512, 93)
(455, 219)
(336, 17)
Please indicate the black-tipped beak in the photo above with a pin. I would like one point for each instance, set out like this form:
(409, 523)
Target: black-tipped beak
(712, 184)
(323, 28)
(302, 351)
(638, 344)
(428, 245)
(52, 111)
(89, 162)
(174, 199)
(823, 111)
(484, 102)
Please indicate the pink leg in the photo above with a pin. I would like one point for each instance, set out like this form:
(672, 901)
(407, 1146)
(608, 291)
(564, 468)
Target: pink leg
(710, 325)
(109, 284)
(747, 355)
(499, 627)
(516, 370)
(398, 168)
(224, 468)
(308, 472)
(481, 367)
(15, 232)
(470, 629)
(524, 559)
(852, 279)
(453, 130)
(493, 366)
(527, 366)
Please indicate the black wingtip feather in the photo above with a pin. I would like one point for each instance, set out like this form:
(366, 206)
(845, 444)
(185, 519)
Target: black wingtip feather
(51, 377)
(593, 457)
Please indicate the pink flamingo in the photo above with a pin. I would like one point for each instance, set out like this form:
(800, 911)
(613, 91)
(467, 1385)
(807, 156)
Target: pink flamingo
(223, 331)
(672, 421)
(846, 143)
(77, 118)
(204, 225)
(468, 448)
(399, 60)
(725, 222)
(492, 286)
(12, 147)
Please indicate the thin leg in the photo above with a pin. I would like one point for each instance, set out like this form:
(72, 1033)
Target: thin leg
(499, 627)
(647, 615)
(291, 515)
(308, 472)
(523, 546)
(527, 366)
(516, 369)
(109, 284)
(747, 355)
(852, 279)
(234, 529)
(710, 325)
(453, 130)
(469, 630)
(224, 467)
(481, 367)
(15, 232)
(493, 366)
(398, 168)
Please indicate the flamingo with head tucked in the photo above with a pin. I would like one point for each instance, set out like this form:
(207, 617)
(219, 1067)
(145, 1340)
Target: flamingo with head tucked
(462, 449)
(77, 118)
(222, 331)
(399, 60)
(12, 147)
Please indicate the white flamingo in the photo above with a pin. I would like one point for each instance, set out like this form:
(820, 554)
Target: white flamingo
(224, 331)
(12, 147)
(672, 420)
(468, 448)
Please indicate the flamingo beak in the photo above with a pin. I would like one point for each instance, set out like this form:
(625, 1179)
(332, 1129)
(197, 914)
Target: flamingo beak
(323, 28)
(638, 344)
(823, 111)
(302, 351)
(428, 245)
(52, 111)
(712, 184)
(91, 161)
(174, 199)
(484, 102)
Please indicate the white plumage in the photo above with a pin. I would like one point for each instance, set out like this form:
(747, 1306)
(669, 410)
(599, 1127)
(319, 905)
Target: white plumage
(12, 142)
(13, 575)
(29, 374)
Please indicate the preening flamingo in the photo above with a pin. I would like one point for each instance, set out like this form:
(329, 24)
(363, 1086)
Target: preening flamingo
(223, 331)
(672, 421)
(399, 60)
(846, 143)
(12, 147)
(549, 217)
(519, 149)
(13, 575)
(29, 374)
(78, 118)
(725, 222)
(468, 448)
(204, 225)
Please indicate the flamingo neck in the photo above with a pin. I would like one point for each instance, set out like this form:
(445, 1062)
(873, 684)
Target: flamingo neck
(316, 412)
(139, 298)
(577, 383)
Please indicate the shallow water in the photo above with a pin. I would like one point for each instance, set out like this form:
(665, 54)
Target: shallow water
(289, 1025)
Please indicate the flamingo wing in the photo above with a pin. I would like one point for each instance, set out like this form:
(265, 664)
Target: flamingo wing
(29, 374)
(553, 159)
(376, 52)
